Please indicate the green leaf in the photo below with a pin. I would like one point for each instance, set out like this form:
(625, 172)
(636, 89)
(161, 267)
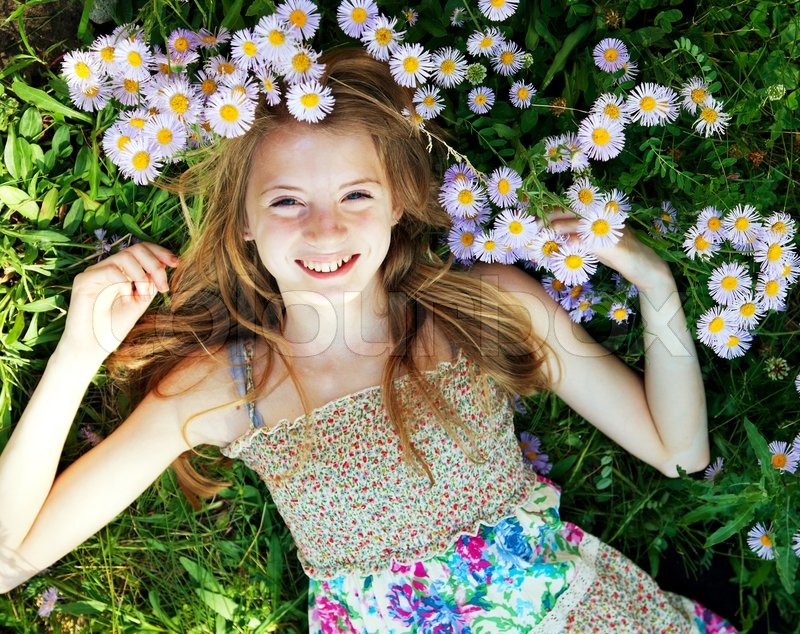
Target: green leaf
(18, 200)
(731, 528)
(221, 604)
(41, 305)
(132, 226)
(761, 449)
(45, 102)
(10, 157)
(77, 608)
(201, 576)
(48, 209)
(43, 235)
(560, 60)
(74, 217)
(30, 124)
(664, 19)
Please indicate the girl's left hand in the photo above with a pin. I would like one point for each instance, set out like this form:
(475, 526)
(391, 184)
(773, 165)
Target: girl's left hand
(635, 261)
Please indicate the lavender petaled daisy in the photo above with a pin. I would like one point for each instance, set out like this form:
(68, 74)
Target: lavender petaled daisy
(610, 54)
(115, 139)
(241, 82)
(573, 263)
(309, 101)
(103, 52)
(696, 245)
(480, 99)
(91, 96)
(748, 312)
(301, 65)
(729, 283)
(507, 59)
(182, 41)
(498, 10)
(575, 293)
(554, 287)
(545, 245)
(742, 224)
(484, 43)
(180, 99)
(127, 91)
(515, 228)
(736, 344)
(230, 114)
(615, 202)
(410, 65)
(771, 292)
(714, 469)
(133, 59)
(578, 160)
(711, 119)
(629, 72)
(463, 198)
(167, 134)
(134, 120)
(244, 49)
(356, 16)
(715, 325)
(665, 221)
(210, 39)
(772, 253)
(583, 195)
(709, 221)
(139, 161)
(503, 185)
(302, 17)
(780, 224)
(459, 172)
(521, 94)
(274, 39)
(783, 456)
(219, 65)
(80, 68)
(410, 16)
(450, 67)
(460, 240)
(760, 541)
(457, 16)
(382, 39)
(791, 269)
(47, 602)
(428, 100)
(612, 106)
(695, 93)
(652, 104)
(557, 155)
(600, 229)
(486, 247)
(601, 137)
(532, 453)
(619, 312)
(584, 311)
(267, 84)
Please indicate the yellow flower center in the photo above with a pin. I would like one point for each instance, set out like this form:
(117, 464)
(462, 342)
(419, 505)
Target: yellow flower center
(733, 341)
(774, 252)
(612, 206)
(208, 40)
(225, 69)
(209, 86)
(465, 197)
(716, 325)
(131, 86)
(771, 288)
(522, 93)
(573, 262)
(576, 290)
(489, 245)
(298, 18)
(82, 70)
(778, 227)
(766, 540)
(507, 58)
(181, 44)
(134, 59)
(359, 15)
(585, 196)
(480, 99)
(107, 53)
(729, 282)
(709, 115)
(503, 186)
(515, 227)
(550, 247)
(600, 136)
(779, 462)
(179, 103)
(498, 3)
(467, 239)
(611, 55)
(748, 309)
(122, 142)
(301, 62)
(611, 111)
(229, 113)
(276, 37)
(786, 270)
(620, 313)
(647, 104)
(137, 122)
(742, 223)
(701, 244)
(486, 42)
(249, 49)
(714, 223)
(600, 227)
(411, 65)
(141, 160)
(164, 136)
(559, 285)
(310, 100)
(383, 36)
(698, 95)
(447, 67)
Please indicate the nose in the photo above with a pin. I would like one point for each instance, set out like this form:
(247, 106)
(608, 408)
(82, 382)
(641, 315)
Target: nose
(325, 226)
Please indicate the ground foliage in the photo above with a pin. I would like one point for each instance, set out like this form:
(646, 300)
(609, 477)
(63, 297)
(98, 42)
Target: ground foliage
(230, 567)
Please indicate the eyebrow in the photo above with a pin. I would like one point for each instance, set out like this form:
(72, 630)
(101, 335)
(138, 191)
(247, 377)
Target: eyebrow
(353, 183)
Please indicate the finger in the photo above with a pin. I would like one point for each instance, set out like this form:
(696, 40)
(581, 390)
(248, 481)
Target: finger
(163, 254)
(142, 266)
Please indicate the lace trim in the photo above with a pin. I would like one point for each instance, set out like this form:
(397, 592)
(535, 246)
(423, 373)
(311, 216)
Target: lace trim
(284, 424)
(585, 576)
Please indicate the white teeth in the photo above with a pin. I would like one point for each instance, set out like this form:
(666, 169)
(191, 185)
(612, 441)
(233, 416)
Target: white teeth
(326, 267)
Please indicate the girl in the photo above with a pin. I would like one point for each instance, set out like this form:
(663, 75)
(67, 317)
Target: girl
(377, 386)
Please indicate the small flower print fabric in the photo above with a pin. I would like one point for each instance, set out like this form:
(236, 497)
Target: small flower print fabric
(481, 549)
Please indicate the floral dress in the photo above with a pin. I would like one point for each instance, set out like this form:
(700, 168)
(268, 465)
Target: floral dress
(478, 548)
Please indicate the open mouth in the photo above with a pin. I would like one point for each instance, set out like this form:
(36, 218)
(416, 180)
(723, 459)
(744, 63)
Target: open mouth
(328, 269)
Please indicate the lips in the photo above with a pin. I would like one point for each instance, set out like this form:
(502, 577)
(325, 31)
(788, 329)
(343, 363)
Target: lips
(328, 269)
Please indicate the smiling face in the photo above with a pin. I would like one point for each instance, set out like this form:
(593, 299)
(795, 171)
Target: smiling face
(320, 211)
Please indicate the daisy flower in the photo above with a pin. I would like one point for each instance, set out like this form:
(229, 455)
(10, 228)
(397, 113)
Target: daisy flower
(791, 269)
(780, 224)
(695, 94)
(578, 161)
(737, 343)
(463, 198)
(612, 106)
(610, 54)
(139, 161)
(450, 67)
(532, 454)
(521, 94)
(182, 41)
(772, 253)
(507, 59)
(219, 65)
(503, 185)
(741, 225)
(115, 140)
(241, 82)
(134, 120)
(47, 602)
(665, 222)
(760, 540)
(619, 312)
(90, 96)
(274, 39)
(166, 133)
(207, 83)
(498, 10)
(515, 228)
(133, 59)
(652, 104)
(126, 90)
(695, 244)
(600, 229)
(556, 154)
(573, 263)
(714, 469)
(629, 72)
(716, 324)
(784, 457)
(180, 99)
(209, 39)
(601, 137)
(301, 66)
(575, 294)
(712, 119)
(356, 16)
(555, 288)
(230, 114)
(709, 221)
(486, 247)
(584, 310)
(771, 292)
(485, 43)
(302, 17)
(729, 283)
(615, 202)
(428, 100)
(457, 16)
(480, 99)
(309, 101)
(103, 48)
(80, 68)
(546, 244)
(460, 240)
(410, 16)
(410, 65)
(382, 39)
(244, 49)
(583, 195)
(459, 172)
(748, 312)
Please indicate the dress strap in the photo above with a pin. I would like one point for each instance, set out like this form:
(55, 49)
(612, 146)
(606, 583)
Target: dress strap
(241, 354)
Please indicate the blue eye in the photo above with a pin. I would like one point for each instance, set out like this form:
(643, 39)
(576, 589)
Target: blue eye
(357, 196)
(285, 202)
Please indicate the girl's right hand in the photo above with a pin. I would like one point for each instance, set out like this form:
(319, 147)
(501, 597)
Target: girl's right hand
(109, 297)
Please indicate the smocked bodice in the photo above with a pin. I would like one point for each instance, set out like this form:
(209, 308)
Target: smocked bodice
(352, 503)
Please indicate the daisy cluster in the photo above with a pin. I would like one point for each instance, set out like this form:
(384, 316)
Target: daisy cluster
(744, 291)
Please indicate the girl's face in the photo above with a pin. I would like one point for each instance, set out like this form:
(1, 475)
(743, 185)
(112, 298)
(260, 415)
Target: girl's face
(320, 211)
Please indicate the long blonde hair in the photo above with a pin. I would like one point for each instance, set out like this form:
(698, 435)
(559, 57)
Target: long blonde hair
(221, 291)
